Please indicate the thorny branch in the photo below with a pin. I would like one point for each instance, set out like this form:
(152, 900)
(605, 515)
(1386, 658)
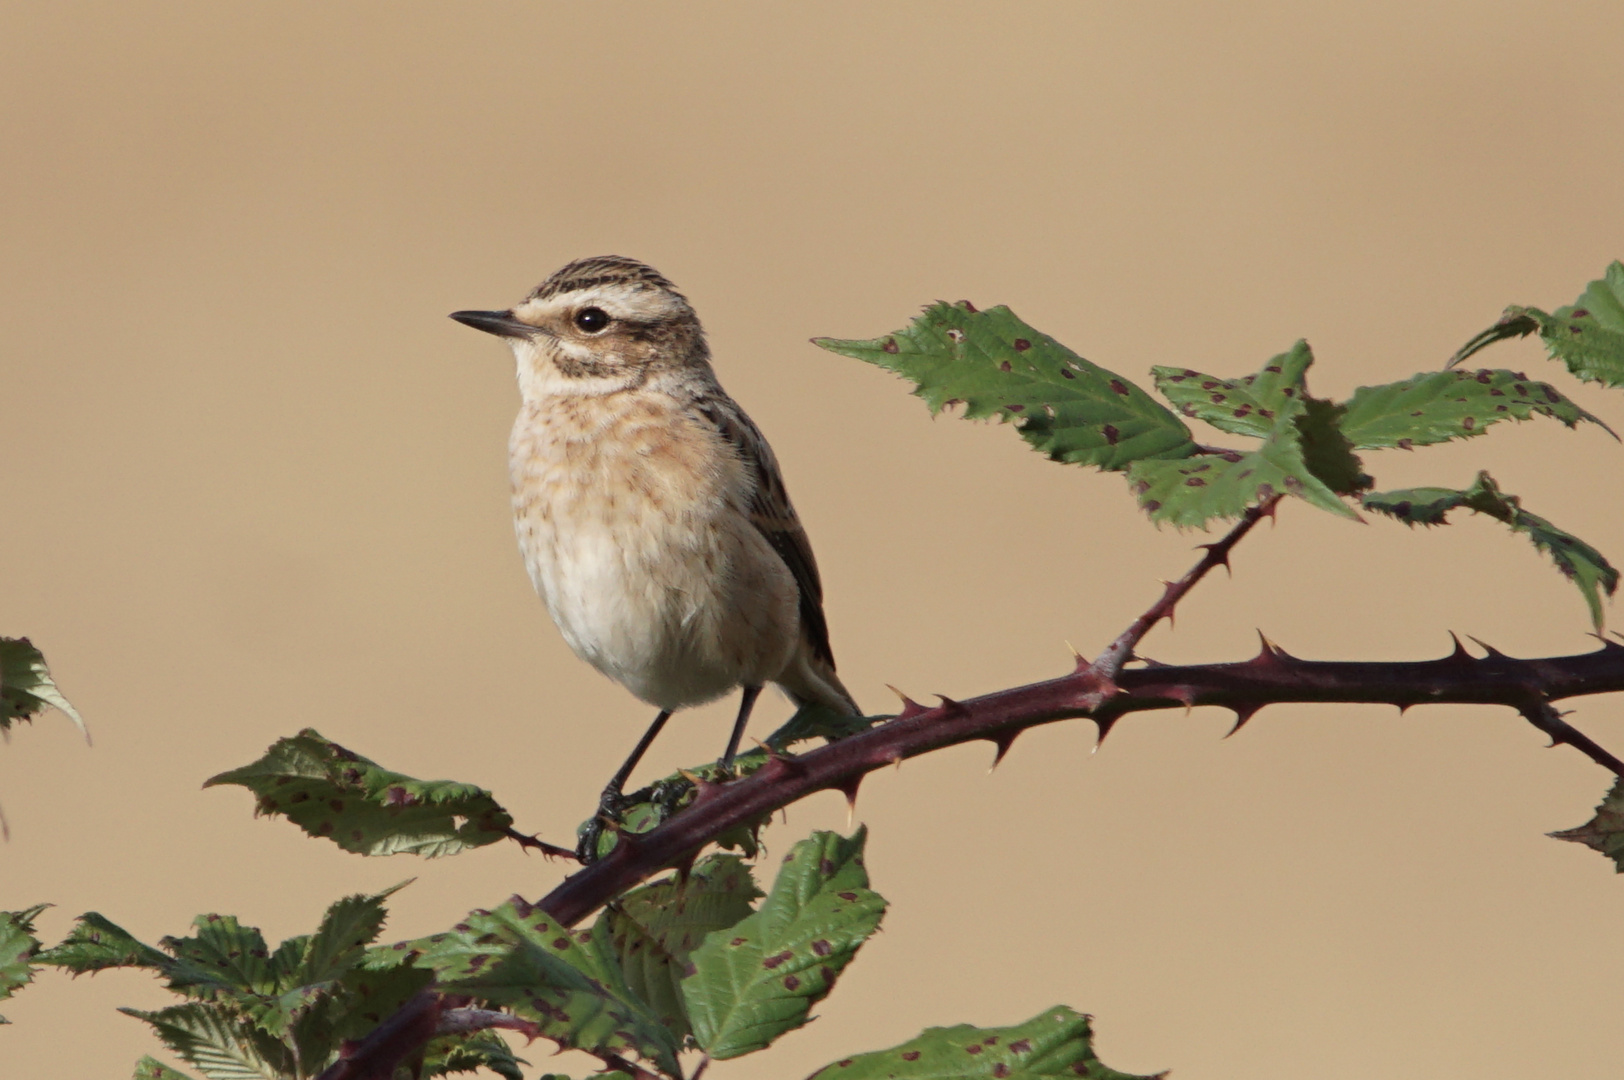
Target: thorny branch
(1103, 690)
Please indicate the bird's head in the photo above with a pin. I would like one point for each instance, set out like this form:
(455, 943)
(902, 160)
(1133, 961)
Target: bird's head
(598, 325)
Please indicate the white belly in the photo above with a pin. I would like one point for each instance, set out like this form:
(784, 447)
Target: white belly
(647, 564)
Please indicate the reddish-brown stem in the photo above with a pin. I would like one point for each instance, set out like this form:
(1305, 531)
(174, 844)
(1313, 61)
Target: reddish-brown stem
(1120, 651)
(1103, 691)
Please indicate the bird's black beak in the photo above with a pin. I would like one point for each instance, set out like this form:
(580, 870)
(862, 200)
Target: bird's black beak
(500, 323)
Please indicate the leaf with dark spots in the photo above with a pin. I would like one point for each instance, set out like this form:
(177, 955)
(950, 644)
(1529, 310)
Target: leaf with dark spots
(1417, 411)
(577, 996)
(955, 355)
(1587, 336)
(1056, 1043)
(820, 911)
(1577, 560)
(654, 929)
(379, 812)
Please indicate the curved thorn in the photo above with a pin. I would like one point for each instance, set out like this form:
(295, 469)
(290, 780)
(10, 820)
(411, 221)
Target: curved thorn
(1003, 742)
(1243, 713)
(1459, 654)
(910, 707)
(1493, 653)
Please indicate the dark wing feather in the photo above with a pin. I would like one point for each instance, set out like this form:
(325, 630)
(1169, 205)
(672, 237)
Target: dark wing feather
(772, 513)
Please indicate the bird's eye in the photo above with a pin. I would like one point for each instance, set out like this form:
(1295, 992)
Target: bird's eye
(592, 319)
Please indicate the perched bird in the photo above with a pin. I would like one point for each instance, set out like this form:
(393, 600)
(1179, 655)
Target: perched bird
(649, 508)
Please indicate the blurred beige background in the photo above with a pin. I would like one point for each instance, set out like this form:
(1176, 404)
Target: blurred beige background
(255, 479)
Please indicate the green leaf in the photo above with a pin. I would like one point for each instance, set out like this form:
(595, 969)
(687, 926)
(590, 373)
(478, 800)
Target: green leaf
(1056, 1043)
(997, 365)
(654, 929)
(220, 1046)
(346, 929)
(224, 954)
(481, 1050)
(96, 944)
(1578, 561)
(17, 948)
(330, 792)
(1587, 336)
(1604, 832)
(754, 982)
(1437, 406)
(149, 1068)
(519, 958)
(1246, 406)
(1303, 452)
(26, 686)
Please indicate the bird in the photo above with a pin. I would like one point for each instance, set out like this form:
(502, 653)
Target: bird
(649, 508)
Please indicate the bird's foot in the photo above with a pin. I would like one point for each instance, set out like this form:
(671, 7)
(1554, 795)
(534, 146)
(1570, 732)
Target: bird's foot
(610, 805)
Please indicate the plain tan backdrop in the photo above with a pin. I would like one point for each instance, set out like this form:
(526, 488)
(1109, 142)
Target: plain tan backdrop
(254, 480)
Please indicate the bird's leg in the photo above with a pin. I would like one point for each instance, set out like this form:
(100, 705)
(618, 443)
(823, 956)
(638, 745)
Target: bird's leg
(609, 803)
(746, 703)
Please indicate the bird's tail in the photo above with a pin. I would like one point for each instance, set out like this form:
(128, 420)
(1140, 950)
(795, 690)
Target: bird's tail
(811, 680)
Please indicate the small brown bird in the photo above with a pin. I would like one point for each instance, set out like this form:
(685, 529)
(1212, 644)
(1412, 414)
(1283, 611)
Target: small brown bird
(649, 508)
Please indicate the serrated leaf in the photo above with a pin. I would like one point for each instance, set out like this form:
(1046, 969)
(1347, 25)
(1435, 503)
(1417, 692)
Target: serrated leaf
(149, 1068)
(998, 366)
(368, 997)
(346, 929)
(481, 1050)
(1250, 405)
(1056, 1043)
(96, 944)
(225, 952)
(1578, 561)
(760, 978)
(1437, 406)
(17, 948)
(219, 1046)
(654, 929)
(519, 958)
(1604, 832)
(26, 686)
(1274, 405)
(330, 792)
(1587, 335)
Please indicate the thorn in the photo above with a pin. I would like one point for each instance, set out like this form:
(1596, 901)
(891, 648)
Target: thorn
(1606, 644)
(1222, 560)
(779, 766)
(1494, 654)
(1105, 727)
(1075, 655)
(910, 707)
(1003, 741)
(849, 789)
(1243, 713)
(1148, 662)
(951, 707)
(1268, 653)
(1459, 655)
(1181, 694)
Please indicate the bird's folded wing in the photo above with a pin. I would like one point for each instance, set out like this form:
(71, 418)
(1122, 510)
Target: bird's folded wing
(772, 513)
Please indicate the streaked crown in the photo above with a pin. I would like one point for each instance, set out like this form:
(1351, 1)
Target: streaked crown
(601, 270)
